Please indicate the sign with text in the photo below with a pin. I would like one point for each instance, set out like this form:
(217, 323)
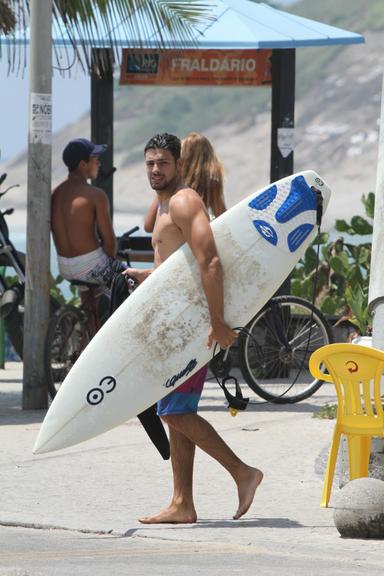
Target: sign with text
(196, 67)
(40, 118)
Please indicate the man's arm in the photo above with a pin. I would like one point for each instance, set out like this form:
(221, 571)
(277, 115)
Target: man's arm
(150, 217)
(188, 213)
(139, 274)
(104, 223)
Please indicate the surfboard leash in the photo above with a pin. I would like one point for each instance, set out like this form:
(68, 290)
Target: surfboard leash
(237, 401)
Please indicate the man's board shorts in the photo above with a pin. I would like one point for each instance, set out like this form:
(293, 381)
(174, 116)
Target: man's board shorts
(94, 267)
(185, 398)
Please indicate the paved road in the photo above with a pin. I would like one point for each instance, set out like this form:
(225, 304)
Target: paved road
(75, 511)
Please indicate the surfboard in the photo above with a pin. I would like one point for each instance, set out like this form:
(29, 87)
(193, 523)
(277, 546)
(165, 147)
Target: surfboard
(157, 338)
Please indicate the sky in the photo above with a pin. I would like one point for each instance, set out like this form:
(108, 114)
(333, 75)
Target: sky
(70, 98)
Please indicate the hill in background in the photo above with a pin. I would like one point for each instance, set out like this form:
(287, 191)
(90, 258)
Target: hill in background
(338, 91)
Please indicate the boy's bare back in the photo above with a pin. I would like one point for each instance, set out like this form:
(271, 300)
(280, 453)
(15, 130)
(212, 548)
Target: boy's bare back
(78, 210)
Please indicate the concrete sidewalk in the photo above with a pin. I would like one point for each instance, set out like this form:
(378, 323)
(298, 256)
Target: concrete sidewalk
(77, 509)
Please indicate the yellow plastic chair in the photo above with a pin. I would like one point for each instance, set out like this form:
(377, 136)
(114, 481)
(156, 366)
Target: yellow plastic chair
(356, 372)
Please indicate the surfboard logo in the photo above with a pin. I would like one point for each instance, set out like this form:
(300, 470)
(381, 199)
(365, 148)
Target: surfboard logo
(278, 206)
(189, 367)
(96, 395)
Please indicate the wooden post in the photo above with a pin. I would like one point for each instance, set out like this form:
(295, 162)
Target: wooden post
(102, 115)
(36, 317)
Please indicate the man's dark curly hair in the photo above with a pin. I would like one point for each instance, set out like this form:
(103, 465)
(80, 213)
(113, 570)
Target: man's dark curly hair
(165, 142)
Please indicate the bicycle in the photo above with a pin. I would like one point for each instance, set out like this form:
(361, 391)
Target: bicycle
(72, 327)
(274, 350)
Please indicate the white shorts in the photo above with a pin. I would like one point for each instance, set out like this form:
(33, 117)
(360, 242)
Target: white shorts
(94, 267)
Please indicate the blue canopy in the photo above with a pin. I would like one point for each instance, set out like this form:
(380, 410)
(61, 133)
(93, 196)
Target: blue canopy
(242, 24)
(234, 24)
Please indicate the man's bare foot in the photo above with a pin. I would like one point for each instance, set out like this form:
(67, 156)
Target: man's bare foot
(246, 487)
(171, 515)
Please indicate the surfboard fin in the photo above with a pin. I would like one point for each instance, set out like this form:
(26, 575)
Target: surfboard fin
(154, 428)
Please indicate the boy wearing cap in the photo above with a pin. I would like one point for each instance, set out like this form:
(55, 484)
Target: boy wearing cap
(80, 219)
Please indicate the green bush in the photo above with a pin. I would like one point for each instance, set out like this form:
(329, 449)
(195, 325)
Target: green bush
(340, 281)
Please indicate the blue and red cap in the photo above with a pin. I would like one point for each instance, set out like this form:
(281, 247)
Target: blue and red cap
(81, 149)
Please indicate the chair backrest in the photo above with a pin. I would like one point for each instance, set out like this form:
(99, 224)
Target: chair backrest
(356, 372)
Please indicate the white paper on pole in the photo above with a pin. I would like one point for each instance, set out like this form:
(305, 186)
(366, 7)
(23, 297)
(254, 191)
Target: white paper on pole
(40, 130)
(285, 141)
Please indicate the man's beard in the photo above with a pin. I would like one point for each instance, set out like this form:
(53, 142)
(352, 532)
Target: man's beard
(162, 185)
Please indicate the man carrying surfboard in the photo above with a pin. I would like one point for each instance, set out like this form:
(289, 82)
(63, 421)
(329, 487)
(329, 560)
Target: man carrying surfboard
(182, 217)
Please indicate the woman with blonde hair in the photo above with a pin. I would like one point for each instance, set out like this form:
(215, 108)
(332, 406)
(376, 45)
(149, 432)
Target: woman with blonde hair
(202, 171)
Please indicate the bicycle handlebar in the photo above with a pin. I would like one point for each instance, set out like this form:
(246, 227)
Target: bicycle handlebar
(8, 189)
(129, 233)
(2, 178)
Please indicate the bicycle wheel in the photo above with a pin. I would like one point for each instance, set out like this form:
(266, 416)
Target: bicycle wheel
(274, 355)
(67, 337)
(14, 324)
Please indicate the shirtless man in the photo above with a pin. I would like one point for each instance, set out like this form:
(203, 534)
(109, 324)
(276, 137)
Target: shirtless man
(80, 219)
(182, 217)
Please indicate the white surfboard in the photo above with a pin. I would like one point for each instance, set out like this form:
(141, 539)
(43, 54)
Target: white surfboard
(157, 338)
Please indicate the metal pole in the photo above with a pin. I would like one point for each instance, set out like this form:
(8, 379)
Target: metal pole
(35, 395)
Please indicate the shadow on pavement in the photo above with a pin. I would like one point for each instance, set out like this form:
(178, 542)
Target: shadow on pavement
(11, 411)
(215, 523)
(210, 405)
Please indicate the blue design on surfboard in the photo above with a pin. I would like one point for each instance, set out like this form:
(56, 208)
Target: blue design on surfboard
(263, 200)
(301, 198)
(266, 230)
(298, 235)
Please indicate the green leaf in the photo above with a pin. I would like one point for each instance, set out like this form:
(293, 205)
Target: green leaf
(364, 255)
(310, 260)
(338, 264)
(361, 226)
(342, 226)
(328, 306)
(321, 238)
(357, 299)
(369, 204)
(354, 276)
(296, 288)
